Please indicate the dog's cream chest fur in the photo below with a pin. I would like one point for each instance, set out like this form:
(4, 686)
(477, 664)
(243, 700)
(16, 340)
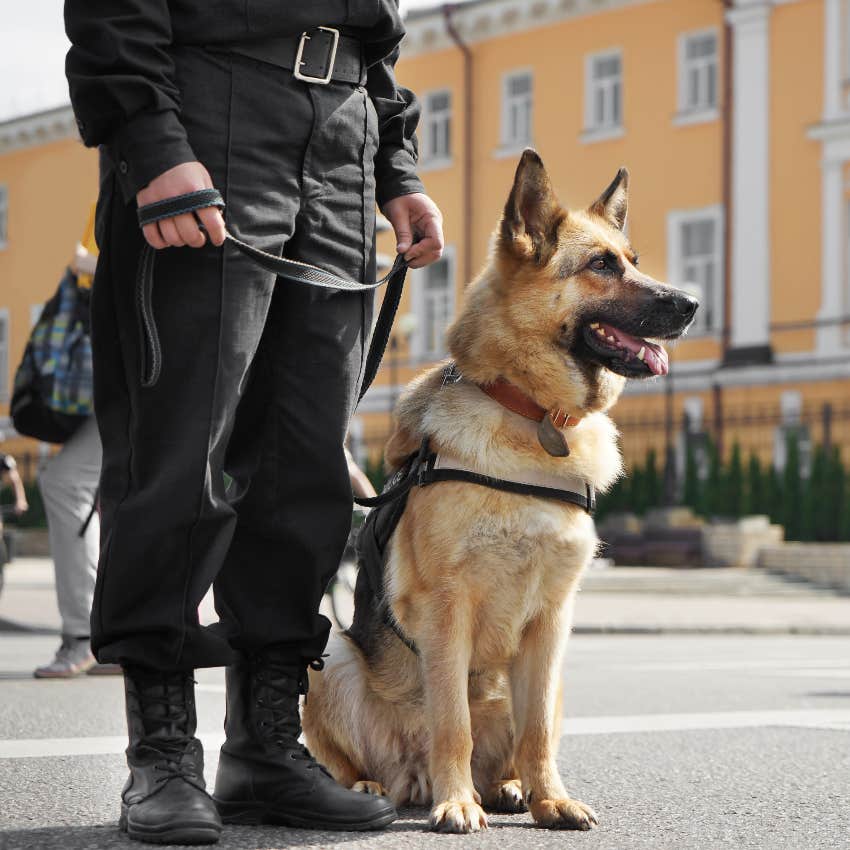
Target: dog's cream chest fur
(489, 540)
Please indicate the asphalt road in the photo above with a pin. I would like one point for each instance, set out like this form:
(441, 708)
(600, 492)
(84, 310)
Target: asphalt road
(677, 741)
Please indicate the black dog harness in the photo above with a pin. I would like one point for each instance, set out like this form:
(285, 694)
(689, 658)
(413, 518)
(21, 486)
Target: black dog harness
(423, 469)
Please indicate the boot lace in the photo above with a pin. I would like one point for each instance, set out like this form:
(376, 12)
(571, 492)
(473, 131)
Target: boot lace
(165, 717)
(279, 686)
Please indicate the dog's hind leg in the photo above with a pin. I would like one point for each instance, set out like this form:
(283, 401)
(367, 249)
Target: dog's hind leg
(321, 741)
(493, 772)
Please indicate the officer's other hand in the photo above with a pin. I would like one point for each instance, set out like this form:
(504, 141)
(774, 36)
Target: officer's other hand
(416, 216)
(183, 229)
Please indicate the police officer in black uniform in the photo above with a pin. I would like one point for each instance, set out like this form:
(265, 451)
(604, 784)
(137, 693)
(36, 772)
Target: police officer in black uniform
(292, 111)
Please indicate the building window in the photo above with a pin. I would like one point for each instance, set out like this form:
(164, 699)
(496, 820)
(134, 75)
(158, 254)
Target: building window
(698, 72)
(517, 109)
(436, 306)
(695, 261)
(4, 216)
(603, 102)
(436, 128)
(4, 354)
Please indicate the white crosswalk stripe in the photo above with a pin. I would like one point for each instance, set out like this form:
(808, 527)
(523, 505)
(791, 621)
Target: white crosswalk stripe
(828, 719)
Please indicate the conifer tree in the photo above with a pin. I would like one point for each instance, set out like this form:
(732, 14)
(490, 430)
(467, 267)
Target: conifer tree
(733, 477)
(691, 494)
(652, 483)
(754, 490)
(713, 489)
(773, 496)
(637, 491)
(830, 500)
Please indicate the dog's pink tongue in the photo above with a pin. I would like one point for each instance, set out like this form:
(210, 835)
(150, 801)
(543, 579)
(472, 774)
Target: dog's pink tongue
(655, 356)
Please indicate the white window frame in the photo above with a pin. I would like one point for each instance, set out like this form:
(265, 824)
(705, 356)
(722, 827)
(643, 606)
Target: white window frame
(594, 132)
(4, 216)
(510, 145)
(427, 160)
(675, 275)
(419, 347)
(5, 345)
(687, 113)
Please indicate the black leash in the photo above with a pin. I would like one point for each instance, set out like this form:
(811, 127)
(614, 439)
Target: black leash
(281, 266)
(85, 526)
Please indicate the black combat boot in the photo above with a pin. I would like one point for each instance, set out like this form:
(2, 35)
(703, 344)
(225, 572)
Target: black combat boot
(264, 774)
(164, 800)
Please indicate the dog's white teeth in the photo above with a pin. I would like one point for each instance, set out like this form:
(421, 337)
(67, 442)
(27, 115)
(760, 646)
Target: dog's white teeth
(611, 338)
(642, 353)
(594, 325)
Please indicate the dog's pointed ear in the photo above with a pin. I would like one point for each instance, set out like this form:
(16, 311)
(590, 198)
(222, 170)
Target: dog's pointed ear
(532, 214)
(613, 203)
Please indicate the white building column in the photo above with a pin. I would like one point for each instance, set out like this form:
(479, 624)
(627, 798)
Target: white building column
(834, 269)
(834, 26)
(750, 237)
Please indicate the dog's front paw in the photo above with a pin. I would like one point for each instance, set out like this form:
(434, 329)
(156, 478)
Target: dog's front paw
(367, 786)
(454, 816)
(563, 814)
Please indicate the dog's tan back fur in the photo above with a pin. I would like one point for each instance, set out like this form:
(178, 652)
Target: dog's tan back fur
(483, 580)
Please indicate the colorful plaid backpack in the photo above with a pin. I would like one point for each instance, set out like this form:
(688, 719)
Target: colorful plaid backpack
(52, 395)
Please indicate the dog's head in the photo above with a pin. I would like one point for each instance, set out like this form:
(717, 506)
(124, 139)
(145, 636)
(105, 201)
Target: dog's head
(572, 316)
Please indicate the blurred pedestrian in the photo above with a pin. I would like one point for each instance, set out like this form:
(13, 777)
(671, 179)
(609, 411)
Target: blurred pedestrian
(361, 486)
(9, 469)
(292, 111)
(68, 483)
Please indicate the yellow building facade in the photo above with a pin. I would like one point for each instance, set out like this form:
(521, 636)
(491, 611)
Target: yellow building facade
(734, 121)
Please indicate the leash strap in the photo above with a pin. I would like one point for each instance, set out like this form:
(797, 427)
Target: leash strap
(280, 266)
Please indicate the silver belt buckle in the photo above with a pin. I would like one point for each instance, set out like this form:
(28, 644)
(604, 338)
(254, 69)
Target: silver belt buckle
(322, 81)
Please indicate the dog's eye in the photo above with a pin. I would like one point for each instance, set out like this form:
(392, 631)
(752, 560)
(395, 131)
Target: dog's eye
(635, 260)
(598, 264)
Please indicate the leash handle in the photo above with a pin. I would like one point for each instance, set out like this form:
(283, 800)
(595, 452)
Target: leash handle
(280, 266)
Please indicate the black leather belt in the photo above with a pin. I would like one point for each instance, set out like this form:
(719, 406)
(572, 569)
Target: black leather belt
(318, 56)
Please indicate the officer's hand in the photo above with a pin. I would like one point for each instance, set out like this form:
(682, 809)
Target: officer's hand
(183, 229)
(416, 215)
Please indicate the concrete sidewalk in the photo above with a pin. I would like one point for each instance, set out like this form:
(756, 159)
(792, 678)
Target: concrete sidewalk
(652, 600)
(624, 600)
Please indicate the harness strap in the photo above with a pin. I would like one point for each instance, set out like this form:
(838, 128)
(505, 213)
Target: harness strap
(280, 266)
(450, 469)
(422, 469)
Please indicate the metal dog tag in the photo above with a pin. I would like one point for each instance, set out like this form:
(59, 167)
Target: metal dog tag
(552, 439)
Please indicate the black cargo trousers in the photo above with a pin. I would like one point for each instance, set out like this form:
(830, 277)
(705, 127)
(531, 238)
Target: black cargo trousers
(259, 378)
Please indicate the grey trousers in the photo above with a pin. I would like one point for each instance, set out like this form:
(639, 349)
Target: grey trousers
(68, 482)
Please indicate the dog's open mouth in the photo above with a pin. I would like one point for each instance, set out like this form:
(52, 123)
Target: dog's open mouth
(621, 352)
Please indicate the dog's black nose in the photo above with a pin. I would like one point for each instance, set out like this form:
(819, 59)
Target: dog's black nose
(681, 303)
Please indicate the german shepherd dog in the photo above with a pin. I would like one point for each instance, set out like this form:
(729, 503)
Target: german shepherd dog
(481, 580)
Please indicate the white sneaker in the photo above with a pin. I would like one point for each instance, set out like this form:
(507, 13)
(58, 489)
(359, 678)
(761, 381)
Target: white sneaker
(73, 657)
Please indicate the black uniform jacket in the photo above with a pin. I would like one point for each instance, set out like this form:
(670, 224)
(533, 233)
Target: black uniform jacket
(124, 94)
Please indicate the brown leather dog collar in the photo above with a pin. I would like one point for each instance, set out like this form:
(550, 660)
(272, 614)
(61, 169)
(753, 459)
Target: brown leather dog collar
(514, 399)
